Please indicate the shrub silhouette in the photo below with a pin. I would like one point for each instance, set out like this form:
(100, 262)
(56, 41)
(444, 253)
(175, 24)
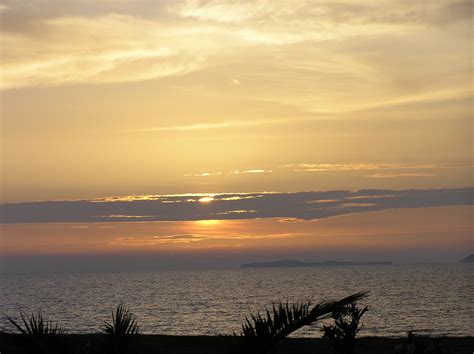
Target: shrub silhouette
(343, 332)
(261, 334)
(41, 336)
(120, 330)
(123, 322)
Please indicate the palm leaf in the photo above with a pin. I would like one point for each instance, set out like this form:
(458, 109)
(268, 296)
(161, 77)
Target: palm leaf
(123, 322)
(279, 322)
(35, 325)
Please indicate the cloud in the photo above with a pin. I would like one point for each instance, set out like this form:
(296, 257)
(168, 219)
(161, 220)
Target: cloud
(357, 205)
(398, 175)
(216, 125)
(220, 11)
(308, 167)
(126, 216)
(454, 11)
(200, 126)
(156, 240)
(302, 205)
(192, 238)
(236, 212)
(204, 174)
(105, 41)
(370, 196)
(111, 48)
(360, 12)
(233, 172)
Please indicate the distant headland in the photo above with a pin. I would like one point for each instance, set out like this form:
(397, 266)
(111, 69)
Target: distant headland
(468, 259)
(295, 263)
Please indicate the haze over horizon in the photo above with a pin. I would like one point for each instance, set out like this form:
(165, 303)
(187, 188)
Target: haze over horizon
(211, 133)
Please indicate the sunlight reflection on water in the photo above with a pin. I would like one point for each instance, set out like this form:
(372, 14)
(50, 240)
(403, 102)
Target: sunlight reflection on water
(431, 298)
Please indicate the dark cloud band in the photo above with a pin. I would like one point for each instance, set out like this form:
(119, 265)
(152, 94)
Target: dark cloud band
(303, 205)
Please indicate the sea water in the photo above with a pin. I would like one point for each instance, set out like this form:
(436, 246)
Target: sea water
(431, 298)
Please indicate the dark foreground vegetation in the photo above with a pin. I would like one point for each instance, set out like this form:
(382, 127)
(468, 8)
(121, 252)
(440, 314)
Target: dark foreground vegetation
(261, 333)
(157, 344)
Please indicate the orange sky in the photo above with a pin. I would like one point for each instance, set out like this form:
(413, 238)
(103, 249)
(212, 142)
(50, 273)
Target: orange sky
(421, 230)
(122, 98)
(158, 97)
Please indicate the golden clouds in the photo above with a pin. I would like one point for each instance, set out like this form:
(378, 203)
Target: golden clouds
(112, 48)
(145, 97)
(69, 47)
(205, 199)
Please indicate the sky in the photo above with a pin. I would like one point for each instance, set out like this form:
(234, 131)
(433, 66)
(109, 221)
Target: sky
(127, 125)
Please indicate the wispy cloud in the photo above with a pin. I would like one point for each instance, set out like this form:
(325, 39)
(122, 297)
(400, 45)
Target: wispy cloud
(200, 126)
(303, 205)
(371, 197)
(119, 216)
(216, 125)
(264, 11)
(229, 212)
(132, 51)
(309, 167)
(358, 205)
(398, 175)
(200, 237)
(132, 41)
(157, 240)
(233, 172)
(327, 167)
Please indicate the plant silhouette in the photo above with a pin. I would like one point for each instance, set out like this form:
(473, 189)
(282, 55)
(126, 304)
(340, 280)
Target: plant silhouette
(121, 330)
(342, 334)
(261, 334)
(41, 336)
(123, 322)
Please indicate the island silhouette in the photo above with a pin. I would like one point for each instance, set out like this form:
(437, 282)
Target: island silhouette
(468, 259)
(296, 263)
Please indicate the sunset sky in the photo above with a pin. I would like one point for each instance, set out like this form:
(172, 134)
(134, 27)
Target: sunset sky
(200, 127)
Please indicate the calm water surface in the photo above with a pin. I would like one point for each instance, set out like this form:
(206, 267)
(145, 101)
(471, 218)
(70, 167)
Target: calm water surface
(431, 298)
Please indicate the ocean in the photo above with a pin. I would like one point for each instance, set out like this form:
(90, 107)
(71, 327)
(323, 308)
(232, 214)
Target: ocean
(435, 299)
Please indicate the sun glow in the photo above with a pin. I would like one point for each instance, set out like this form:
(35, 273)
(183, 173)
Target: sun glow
(208, 223)
(206, 199)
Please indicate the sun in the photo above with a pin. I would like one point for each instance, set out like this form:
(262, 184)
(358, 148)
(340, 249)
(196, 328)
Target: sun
(208, 223)
(206, 199)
